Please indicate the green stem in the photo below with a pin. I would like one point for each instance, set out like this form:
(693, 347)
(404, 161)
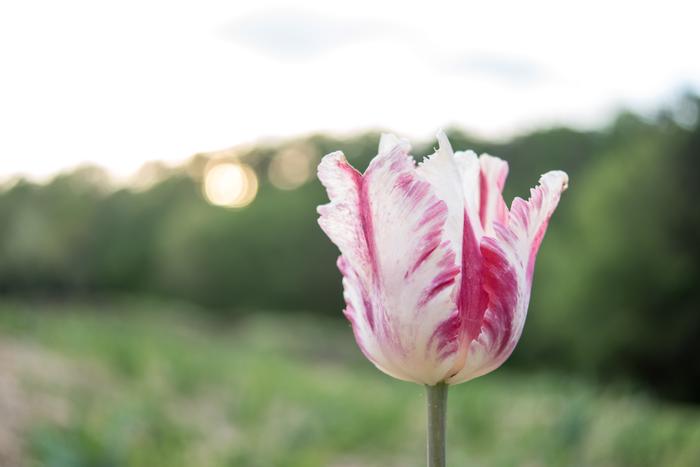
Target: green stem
(437, 406)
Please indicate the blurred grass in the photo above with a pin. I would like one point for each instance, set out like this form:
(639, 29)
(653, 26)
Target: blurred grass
(144, 384)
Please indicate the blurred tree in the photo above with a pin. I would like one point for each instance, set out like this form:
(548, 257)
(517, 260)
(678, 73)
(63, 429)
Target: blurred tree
(615, 292)
(616, 289)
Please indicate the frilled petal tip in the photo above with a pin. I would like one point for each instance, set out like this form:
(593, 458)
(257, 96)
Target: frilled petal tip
(555, 180)
(436, 268)
(388, 142)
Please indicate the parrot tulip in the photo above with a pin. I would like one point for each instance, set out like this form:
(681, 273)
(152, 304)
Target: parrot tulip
(436, 269)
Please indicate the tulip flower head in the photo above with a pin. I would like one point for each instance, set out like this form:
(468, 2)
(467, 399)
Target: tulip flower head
(437, 270)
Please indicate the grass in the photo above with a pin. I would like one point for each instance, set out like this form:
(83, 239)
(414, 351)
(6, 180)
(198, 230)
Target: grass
(144, 384)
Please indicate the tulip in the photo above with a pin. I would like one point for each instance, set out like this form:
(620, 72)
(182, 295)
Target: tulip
(436, 269)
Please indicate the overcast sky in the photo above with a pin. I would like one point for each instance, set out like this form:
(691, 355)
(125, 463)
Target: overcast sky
(123, 82)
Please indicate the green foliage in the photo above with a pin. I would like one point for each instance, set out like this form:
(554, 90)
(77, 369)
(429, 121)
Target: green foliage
(616, 284)
(615, 292)
(150, 384)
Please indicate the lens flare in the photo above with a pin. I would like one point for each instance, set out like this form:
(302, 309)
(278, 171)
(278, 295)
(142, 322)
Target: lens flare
(231, 185)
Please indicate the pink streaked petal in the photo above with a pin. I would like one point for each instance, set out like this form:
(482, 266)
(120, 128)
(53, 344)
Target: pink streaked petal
(528, 220)
(492, 178)
(416, 267)
(501, 282)
(399, 271)
(340, 219)
(508, 262)
(503, 319)
(467, 164)
(442, 172)
(455, 179)
(472, 299)
(360, 315)
(387, 143)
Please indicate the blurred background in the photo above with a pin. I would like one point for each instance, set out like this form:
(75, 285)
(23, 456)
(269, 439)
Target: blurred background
(167, 298)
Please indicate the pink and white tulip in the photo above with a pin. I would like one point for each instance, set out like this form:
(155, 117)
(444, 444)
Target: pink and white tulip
(437, 270)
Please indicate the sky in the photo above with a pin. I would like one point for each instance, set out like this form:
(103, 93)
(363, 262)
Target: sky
(121, 83)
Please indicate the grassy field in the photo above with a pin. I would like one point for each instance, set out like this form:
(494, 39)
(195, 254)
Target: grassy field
(144, 384)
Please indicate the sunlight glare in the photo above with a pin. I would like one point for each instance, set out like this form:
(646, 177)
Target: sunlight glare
(232, 185)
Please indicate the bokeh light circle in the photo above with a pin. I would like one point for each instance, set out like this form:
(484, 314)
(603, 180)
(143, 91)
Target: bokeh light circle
(229, 184)
(289, 169)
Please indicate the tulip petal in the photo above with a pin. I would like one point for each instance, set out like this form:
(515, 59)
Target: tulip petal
(498, 331)
(528, 220)
(455, 178)
(341, 220)
(440, 171)
(492, 178)
(399, 271)
(508, 263)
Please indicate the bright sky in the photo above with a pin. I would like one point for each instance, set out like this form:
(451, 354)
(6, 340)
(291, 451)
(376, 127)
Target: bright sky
(120, 83)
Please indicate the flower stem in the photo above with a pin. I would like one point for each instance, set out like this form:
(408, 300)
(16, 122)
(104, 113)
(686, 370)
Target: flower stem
(437, 405)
